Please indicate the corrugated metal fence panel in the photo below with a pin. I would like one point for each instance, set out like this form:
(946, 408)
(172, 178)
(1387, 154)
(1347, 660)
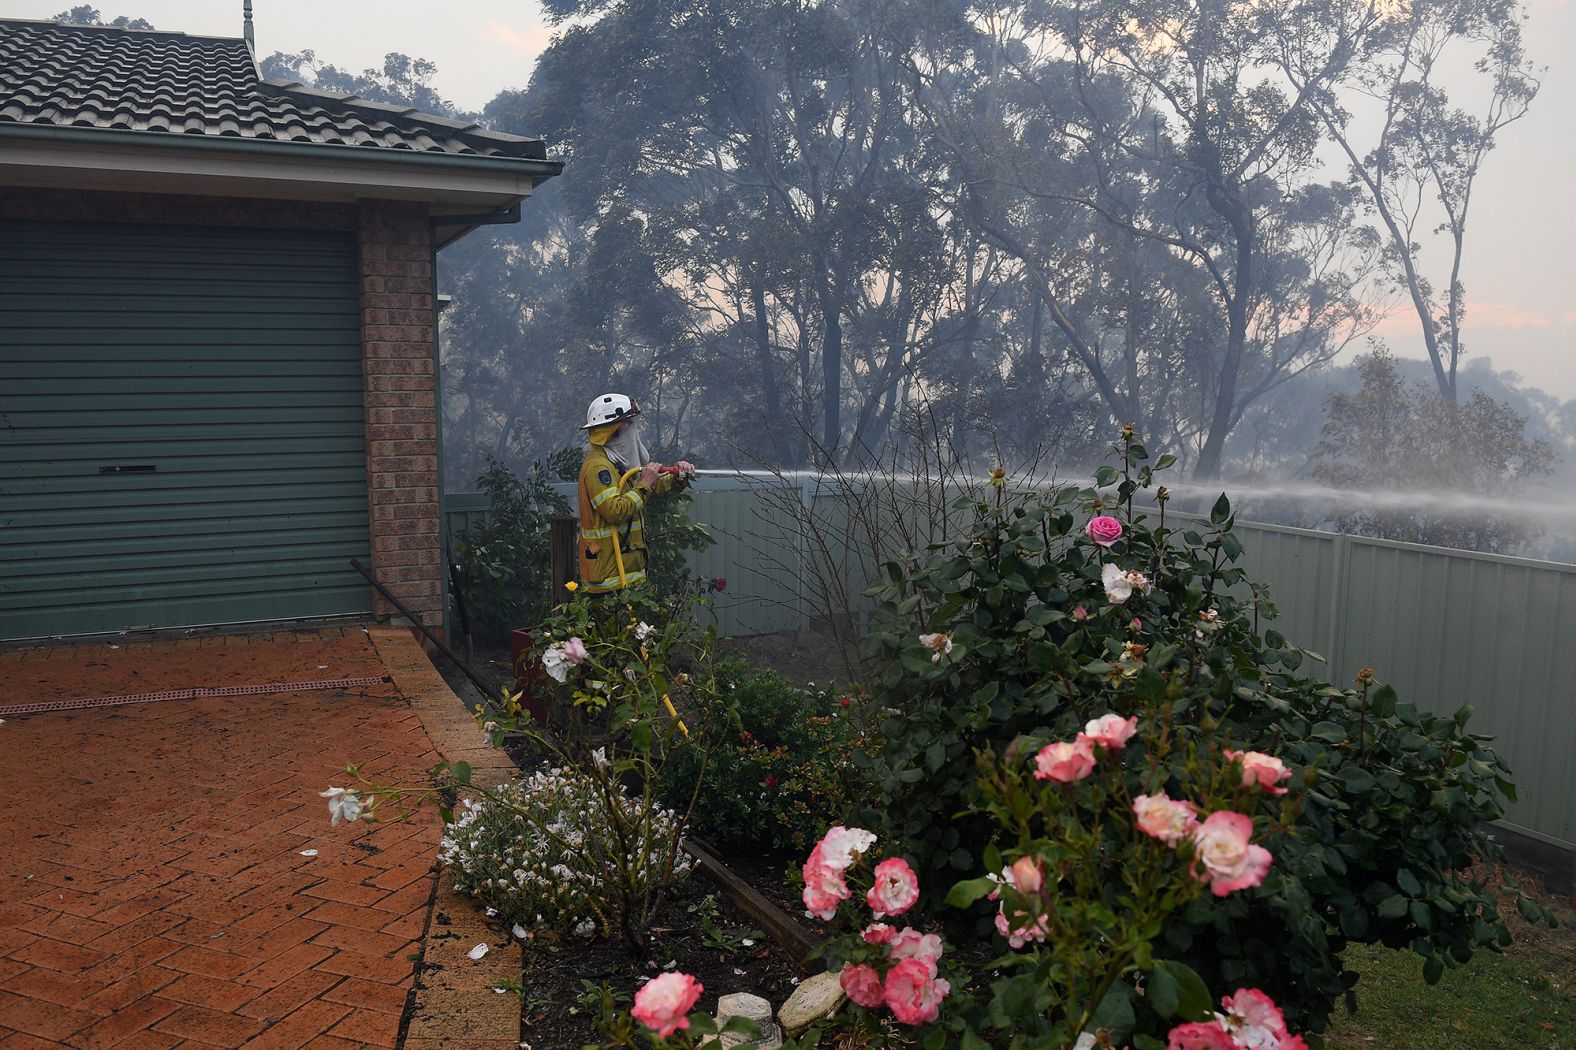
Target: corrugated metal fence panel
(1297, 567)
(1450, 628)
(226, 360)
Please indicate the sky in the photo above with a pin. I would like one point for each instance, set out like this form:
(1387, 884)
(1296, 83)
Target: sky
(1521, 312)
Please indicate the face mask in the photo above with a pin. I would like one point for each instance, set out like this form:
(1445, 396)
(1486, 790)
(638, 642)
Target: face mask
(626, 449)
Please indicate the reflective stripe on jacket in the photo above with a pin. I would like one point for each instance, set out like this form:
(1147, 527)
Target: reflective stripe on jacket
(608, 510)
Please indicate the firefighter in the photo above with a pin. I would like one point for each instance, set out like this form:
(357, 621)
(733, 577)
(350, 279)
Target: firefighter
(611, 512)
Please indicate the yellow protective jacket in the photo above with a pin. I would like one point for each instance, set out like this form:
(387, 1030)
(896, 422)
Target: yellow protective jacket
(609, 510)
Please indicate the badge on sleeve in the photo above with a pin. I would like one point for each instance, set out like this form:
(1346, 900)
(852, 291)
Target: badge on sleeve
(605, 478)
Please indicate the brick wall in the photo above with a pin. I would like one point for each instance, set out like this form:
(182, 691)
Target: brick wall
(401, 393)
(397, 352)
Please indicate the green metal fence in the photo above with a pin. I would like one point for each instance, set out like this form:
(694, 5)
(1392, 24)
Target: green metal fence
(1447, 628)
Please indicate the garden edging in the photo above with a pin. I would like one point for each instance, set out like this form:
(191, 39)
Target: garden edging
(455, 1000)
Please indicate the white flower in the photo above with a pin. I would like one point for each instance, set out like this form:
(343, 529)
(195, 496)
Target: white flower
(939, 645)
(554, 663)
(490, 727)
(1120, 585)
(343, 805)
(478, 951)
(586, 929)
(599, 758)
(644, 631)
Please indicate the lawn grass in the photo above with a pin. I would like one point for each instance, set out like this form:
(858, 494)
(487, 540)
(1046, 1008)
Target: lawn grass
(1524, 997)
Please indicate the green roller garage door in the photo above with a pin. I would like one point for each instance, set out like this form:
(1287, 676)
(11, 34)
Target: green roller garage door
(181, 435)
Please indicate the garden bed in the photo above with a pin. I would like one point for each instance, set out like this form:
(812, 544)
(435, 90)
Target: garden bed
(700, 933)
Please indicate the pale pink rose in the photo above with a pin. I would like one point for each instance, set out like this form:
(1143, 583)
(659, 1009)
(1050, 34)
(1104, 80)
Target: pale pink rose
(913, 992)
(1027, 875)
(925, 948)
(1166, 819)
(1104, 530)
(663, 1005)
(1135, 624)
(1225, 857)
(1120, 585)
(1259, 770)
(1026, 930)
(1253, 1020)
(1111, 731)
(896, 888)
(863, 985)
(878, 933)
(1065, 763)
(1199, 1035)
(838, 846)
(575, 651)
(1080, 613)
(824, 890)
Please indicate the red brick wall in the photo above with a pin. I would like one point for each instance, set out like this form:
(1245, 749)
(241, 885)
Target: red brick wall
(402, 414)
(398, 355)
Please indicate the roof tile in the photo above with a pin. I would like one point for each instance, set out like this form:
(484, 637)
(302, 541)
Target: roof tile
(135, 80)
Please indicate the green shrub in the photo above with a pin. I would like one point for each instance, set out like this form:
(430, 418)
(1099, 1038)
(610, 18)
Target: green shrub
(505, 571)
(1392, 802)
(781, 774)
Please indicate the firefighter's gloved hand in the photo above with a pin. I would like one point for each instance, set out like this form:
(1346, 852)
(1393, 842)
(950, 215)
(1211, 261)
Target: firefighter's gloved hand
(649, 473)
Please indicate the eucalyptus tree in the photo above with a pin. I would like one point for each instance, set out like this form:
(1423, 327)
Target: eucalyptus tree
(800, 214)
(1142, 161)
(1413, 153)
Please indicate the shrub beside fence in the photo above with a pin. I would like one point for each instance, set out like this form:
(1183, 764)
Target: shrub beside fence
(1447, 628)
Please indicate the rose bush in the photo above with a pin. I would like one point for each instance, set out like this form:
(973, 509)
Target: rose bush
(779, 774)
(1047, 625)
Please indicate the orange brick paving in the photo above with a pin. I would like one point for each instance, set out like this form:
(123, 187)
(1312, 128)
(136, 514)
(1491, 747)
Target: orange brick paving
(152, 887)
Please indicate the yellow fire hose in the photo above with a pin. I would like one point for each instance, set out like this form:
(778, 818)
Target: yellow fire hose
(623, 582)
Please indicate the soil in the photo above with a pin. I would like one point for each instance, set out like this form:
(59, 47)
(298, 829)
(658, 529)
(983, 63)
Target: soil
(558, 1012)
(768, 872)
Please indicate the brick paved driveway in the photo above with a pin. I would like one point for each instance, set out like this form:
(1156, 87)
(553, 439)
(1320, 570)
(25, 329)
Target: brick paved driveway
(153, 891)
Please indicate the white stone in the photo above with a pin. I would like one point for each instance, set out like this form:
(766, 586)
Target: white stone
(817, 997)
(752, 1008)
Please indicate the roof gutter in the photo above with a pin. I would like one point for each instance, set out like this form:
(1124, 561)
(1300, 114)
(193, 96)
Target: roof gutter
(538, 169)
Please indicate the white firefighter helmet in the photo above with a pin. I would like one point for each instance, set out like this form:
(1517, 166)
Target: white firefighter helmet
(610, 408)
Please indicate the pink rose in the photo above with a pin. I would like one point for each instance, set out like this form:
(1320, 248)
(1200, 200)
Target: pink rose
(878, 933)
(1027, 875)
(838, 846)
(824, 890)
(1026, 931)
(863, 985)
(1065, 763)
(575, 650)
(895, 890)
(1080, 613)
(914, 993)
(1164, 818)
(664, 1003)
(1112, 731)
(925, 948)
(1259, 770)
(1104, 530)
(1200, 1035)
(1253, 1019)
(1223, 855)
